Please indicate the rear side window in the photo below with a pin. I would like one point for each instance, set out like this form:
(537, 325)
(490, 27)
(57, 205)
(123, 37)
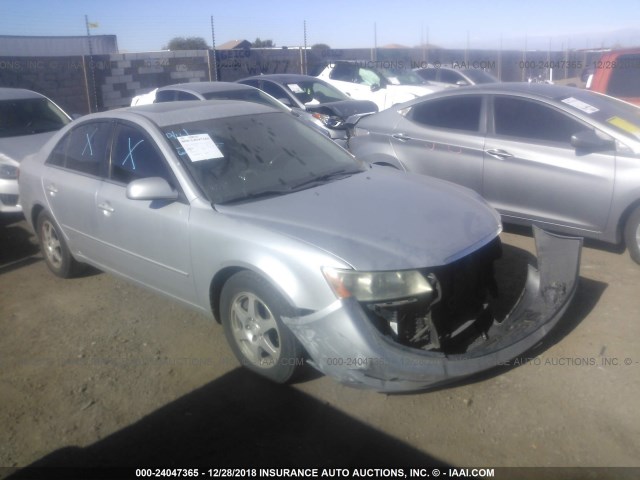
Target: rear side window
(526, 119)
(344, 72)
(428, 73)
(454, 113)
(135, 156)
(84, 149)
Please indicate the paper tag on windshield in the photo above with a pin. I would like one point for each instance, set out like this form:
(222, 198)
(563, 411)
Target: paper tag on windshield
(200, 147)
(580, 105)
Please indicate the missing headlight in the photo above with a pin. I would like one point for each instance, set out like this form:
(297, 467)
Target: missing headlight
(455, 314)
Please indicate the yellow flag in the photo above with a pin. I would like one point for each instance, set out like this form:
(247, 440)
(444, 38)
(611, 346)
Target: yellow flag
(93, 25)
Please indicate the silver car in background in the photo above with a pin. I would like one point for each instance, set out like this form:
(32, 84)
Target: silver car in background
(228, 91)
(27, 121)
(381, 279)
(562, 158)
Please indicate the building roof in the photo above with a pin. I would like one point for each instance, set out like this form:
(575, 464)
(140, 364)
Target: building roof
(234, 45)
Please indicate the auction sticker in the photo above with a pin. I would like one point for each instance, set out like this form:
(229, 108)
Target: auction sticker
(580, 105)
(200, 147)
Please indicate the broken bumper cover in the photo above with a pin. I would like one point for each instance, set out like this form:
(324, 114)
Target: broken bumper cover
(343, 344)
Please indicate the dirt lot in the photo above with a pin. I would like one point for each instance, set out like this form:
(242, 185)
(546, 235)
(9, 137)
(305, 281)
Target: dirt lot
(95, 371)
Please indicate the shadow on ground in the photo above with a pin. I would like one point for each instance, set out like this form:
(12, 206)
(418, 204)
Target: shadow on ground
(240, 421)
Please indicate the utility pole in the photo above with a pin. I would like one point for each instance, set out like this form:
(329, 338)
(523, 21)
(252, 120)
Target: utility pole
(213, 47)
(93, 106)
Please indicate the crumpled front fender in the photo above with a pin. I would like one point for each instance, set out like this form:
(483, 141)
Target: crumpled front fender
(343, 343)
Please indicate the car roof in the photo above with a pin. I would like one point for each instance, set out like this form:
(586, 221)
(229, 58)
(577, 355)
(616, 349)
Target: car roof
(540, 90)
(17, 93)
(171, 113)
(284, 78)
(206, 87)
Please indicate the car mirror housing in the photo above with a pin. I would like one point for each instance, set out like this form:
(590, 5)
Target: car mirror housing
(589, 140)
(152, 188)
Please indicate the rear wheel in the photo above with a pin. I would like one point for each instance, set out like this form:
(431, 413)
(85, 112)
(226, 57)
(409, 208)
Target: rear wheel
(54, 248)
(251, 310)
(632, 235)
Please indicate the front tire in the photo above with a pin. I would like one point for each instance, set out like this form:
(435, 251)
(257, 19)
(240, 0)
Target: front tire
(632, 235)
(54, 248)
(251, 311)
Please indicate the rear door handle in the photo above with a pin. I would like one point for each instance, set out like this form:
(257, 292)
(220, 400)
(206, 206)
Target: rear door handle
(52, 189)
(499, 154)
(401, 136)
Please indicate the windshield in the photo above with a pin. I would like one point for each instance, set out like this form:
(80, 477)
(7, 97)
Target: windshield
(617, 114)
(248, 95)
(240, 158)
(28, 116)
(310, 92)
(401, 76)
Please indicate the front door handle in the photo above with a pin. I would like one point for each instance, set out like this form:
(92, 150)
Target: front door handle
(499, 154)
(52, 189)
(106, 207)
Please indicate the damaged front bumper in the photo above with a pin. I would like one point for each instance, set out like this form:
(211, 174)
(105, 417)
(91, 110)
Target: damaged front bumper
(344, 344)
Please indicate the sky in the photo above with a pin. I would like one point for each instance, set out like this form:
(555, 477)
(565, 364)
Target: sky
(148, 25)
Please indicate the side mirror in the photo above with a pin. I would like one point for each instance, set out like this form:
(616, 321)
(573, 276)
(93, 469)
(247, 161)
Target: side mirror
(151, 188)
(589, 140)
(375, 87)
(462, 83)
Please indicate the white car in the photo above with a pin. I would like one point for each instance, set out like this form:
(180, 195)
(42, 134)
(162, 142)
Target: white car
(27, 121)
(384, 86)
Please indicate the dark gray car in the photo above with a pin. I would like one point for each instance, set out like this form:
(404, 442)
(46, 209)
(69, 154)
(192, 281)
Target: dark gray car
(559, 157)
(240, 211)
(323, 101)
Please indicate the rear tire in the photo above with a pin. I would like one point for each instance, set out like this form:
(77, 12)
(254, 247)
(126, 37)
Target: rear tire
(54, 248)
(632, 235)
(251, 310)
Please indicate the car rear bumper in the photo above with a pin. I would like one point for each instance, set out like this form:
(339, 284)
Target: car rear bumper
(343, 343)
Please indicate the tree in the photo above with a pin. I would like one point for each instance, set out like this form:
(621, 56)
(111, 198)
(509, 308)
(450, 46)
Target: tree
(263, 43)
(190, 43)
(320, 47)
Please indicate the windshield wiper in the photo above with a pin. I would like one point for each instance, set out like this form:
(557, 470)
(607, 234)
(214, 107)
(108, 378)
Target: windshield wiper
(322, 179)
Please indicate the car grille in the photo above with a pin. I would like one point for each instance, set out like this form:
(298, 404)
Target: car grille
(9, 200)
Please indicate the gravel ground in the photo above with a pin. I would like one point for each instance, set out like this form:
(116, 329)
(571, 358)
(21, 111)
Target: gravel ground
(96, 371)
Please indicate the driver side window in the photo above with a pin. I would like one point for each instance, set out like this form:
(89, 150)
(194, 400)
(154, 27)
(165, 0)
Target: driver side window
(135, 156)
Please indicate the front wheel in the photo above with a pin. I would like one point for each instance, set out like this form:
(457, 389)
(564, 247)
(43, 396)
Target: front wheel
(251, 310)
(632, 235)
(54, 248)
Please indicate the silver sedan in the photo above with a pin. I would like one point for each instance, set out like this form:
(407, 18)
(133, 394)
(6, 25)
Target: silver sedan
(559, 157)
(302, 252)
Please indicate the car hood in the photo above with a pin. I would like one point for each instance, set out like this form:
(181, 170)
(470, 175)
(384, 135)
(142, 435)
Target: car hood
(345, 108)
(380, 219)
(17, 148)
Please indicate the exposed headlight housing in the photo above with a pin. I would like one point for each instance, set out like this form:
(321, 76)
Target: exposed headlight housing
(8, 172)
(377, 286)
(328, 120)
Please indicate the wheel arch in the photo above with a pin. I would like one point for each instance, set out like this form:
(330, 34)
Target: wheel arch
(222, 276)
(622, 222)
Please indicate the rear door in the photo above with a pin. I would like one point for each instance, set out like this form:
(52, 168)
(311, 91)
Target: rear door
(532, 172)
(73, 175)
(444, 138)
